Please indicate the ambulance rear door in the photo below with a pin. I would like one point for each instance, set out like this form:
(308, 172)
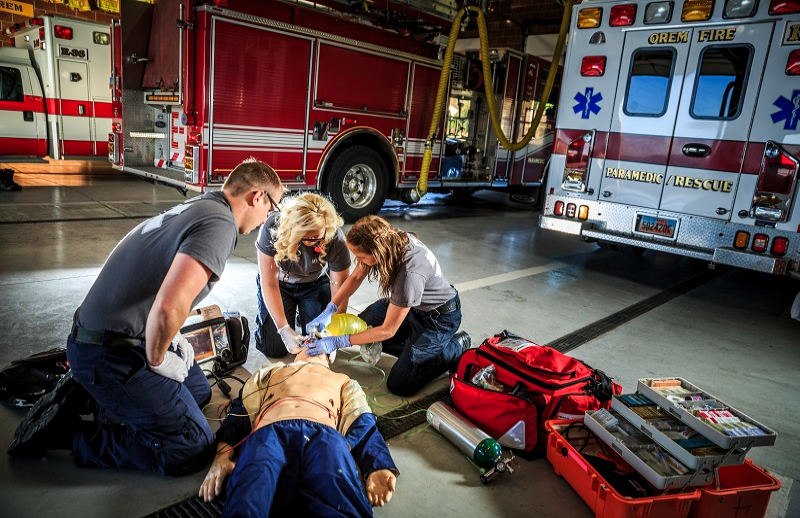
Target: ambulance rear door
(723, 77)
(651, 69)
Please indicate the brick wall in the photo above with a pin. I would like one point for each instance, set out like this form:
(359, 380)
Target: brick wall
(41, 8)
(544, 18)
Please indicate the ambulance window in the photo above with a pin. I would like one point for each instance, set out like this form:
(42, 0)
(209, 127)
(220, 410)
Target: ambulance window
(11, 85)
(648, 82)
(721, 81)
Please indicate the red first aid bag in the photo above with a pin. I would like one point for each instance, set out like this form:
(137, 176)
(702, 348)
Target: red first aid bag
(530, 384)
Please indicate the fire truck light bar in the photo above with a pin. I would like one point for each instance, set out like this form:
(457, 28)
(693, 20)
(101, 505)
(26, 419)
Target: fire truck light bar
(779, 246)
(61, 32)
(739, 9)
(623, 15)
(161, 98)
(589, 18)
(793, 64)
(760, 242)
(741, 240)
(697, 10)
(784, 7)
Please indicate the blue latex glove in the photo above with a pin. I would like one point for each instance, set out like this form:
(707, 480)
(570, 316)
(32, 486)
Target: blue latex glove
(323, 319)
(327, 345)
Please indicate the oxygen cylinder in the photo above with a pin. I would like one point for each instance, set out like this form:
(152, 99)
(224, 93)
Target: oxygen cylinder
(471, 440)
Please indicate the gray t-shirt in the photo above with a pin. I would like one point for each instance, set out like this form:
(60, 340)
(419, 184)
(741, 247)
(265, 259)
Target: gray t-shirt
(307, 268)
(123, 294)
(420, 283)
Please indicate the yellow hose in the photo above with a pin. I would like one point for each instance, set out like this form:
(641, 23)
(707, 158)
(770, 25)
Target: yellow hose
(422, 183)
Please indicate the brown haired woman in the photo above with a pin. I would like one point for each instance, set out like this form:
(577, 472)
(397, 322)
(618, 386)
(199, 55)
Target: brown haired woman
(418, 317)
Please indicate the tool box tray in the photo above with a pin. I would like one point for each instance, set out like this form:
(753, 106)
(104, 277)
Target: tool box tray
(679, 405)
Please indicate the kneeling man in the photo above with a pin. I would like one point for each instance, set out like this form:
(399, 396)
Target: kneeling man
(305, 433)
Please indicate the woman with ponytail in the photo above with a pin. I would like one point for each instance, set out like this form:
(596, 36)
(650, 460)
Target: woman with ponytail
(302, 262)
(420, 312)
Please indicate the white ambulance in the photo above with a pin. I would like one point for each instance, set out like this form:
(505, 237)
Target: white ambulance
(55, 97)
(678, 130)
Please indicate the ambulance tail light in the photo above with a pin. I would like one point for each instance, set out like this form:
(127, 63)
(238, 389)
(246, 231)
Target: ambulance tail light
(777, 177)
(784, 7)
(62, 32)
(779, 246)
(36, 21)
(589, 18)
(576, 169)
(41, 33)
(194, 138)
(593, 66)
(571, 208)
(558, 209)
(741, 239)
(760, 242)
(583, 212)
(793, 63)
(697, 10)
(622, 15)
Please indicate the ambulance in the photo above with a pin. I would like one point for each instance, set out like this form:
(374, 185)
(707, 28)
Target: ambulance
(55, 98)
(678, 130)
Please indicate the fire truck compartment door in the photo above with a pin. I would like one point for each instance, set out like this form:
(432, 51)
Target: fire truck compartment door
(75, 115)
(259, 99)
(723, 76)
(22, 124)
(648, 94)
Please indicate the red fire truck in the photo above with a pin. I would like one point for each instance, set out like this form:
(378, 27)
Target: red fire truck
(333, 102)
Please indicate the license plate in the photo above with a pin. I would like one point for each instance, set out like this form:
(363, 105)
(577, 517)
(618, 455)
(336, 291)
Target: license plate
(656, 226)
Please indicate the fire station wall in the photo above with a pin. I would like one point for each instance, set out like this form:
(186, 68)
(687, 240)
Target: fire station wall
(41, 8)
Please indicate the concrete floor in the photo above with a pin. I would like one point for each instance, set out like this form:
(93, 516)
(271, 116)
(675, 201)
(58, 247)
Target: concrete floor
(731, 335)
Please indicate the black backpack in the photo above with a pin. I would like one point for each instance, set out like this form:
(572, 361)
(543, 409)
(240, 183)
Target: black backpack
(24, 381)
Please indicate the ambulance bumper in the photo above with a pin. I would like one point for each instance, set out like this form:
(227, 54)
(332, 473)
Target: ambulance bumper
(726, 256)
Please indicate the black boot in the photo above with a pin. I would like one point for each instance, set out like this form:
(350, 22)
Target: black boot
(7, 181)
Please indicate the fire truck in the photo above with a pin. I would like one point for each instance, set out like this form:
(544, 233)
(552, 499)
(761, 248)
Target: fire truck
(332, 101)
(55, 98)
(681, 131)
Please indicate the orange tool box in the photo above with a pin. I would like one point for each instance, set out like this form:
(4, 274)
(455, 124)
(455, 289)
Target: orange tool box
(744, 487)
(598, 493)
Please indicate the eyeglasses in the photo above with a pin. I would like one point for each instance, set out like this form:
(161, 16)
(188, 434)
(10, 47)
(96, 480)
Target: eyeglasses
(275, 207)
(315, 242)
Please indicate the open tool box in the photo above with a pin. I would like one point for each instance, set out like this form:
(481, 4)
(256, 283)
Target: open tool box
(597, 475)
(675, 434)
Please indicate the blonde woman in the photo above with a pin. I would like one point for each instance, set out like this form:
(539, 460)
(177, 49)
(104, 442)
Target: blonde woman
(302, 261)
(417, 319)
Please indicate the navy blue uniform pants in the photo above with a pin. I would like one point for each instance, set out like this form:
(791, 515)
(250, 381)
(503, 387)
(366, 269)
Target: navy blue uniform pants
(150, 422)
(424, 346)
(306, 300)
(295, 468)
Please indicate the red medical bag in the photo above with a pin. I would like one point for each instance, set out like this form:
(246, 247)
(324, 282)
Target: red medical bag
(531, 384)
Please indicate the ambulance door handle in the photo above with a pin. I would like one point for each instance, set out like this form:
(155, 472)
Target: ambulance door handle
(81, 109)
(27, 116)
(698, 150)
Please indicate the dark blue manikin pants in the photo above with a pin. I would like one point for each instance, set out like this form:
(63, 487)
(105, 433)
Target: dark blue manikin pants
(295, 468)
(306, 299)
(424, 346)
(150, 423)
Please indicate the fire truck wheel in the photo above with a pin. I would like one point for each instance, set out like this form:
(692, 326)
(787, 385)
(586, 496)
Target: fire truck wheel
(357, 182)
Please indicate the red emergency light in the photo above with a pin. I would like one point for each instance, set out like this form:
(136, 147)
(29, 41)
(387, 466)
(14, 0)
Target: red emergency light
(558, 209)
(793, 63)
(780, 245)
(36, 21)
(760, 242)
(622, 15)
(41, 33)
(784, 6)
(194, 138)
(593, 66)
(777, 172)
(62, 32)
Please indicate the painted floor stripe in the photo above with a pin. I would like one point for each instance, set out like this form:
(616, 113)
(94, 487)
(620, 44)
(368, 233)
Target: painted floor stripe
(508, 276)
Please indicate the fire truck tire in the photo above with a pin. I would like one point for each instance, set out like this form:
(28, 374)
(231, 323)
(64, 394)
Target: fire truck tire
(357, 182)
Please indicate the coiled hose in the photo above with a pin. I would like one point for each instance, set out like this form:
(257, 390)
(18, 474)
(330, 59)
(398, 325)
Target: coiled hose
(422, 183)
